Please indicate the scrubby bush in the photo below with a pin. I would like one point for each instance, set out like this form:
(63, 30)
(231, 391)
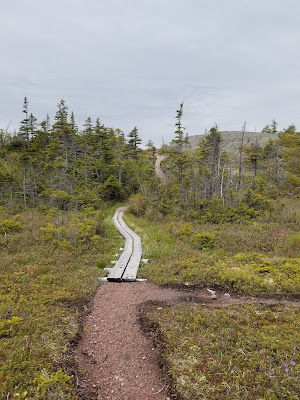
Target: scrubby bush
(137, 204)
(290, 245)
(184, 231)
(11, 225)
(204, 240)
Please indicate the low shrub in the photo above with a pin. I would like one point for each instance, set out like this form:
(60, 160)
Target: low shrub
(237, 352)
(204, 240)
(137, 205)
(184, 231)
(42, 284)
(11, 225)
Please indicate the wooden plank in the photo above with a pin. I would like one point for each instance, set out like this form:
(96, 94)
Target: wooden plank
(117, 272)
(134, 262)
(126, 267)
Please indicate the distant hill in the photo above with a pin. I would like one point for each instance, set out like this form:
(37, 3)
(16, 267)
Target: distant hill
(232, 140)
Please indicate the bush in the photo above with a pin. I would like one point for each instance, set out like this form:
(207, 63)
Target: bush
(204, 240)
(11, 225)
(113, 190)
(137, 205)
(184, 231)
(290, 245)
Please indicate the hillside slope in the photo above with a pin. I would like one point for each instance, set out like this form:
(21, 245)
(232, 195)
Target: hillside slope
(232, 140)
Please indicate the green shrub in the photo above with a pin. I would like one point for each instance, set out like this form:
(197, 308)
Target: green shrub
(290, 245)
(53, 386)
(204, 240)
(11, 225)
(184, 231)
(137, 205)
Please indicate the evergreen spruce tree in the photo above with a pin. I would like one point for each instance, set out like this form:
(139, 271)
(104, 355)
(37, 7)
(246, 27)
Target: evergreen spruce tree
(73, 125)
(61, 118)
(133, 143)
(209, 156)
(178, 155)
(32, 125)
(24, 126)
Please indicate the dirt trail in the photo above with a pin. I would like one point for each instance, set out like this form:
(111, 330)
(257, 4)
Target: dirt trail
(114, 355)
(116, 360)
(158, 170)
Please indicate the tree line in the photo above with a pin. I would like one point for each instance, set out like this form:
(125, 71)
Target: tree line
(215, 184)
(58, 164)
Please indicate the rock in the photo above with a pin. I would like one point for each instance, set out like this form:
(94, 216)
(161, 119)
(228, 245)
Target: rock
(227, 295)
(213, 296)
(212, 292)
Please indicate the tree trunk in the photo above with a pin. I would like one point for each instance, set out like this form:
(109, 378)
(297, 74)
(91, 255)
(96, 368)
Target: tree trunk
(240, 180)
(24, 187)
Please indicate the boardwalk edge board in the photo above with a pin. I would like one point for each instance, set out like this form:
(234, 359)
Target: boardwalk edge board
(126, 267)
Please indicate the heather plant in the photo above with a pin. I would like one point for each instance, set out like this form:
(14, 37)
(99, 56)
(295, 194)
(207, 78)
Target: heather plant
(235, 352)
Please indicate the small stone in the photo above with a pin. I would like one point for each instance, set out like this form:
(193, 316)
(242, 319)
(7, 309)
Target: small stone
(227, 295)
(144, 358)
(213, 296)
(212, 292)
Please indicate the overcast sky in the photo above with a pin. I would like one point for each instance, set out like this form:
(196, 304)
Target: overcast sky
(131, 63)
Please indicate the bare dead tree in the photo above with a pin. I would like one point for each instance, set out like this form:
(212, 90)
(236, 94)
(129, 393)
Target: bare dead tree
(240, 180)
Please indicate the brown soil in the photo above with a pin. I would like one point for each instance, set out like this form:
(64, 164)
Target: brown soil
(115, 360)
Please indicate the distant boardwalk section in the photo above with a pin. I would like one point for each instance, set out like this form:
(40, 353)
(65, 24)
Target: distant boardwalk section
(127, 265)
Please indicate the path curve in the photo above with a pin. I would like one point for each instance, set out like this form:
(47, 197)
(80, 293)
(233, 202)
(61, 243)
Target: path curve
(115, 358)
(158, 170)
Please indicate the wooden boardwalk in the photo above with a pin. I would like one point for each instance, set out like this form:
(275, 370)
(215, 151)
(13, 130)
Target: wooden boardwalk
(127, 265)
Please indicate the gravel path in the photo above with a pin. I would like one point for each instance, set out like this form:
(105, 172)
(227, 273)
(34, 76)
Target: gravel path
(114, 358)
(114, 355)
